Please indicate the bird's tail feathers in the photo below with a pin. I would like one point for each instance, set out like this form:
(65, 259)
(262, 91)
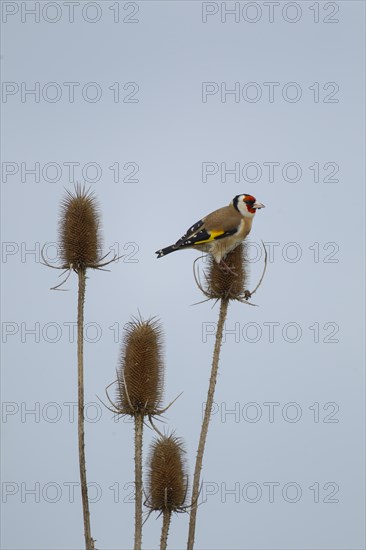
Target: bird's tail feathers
(164, 251)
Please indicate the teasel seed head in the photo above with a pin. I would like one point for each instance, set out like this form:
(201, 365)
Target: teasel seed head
(227, 284)
(167, 475)
(79, 230)
(140, 375)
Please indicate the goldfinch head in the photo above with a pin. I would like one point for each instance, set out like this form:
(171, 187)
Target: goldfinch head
(246, 205)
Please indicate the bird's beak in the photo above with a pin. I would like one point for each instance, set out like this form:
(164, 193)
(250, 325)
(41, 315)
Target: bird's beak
(258, 205)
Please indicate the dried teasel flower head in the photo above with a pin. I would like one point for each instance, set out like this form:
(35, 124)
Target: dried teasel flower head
(140, 375)
(167, 475)
(79, 235)
(79, 230)
(226, 281)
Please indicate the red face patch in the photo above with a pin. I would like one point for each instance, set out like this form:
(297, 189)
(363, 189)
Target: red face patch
(249, 200)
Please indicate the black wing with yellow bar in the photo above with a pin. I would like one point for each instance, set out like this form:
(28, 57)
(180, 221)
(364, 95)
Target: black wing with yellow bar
(203, 237)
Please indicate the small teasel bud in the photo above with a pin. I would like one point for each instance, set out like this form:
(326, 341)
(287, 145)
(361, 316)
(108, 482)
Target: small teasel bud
(140, 375)
(227, 282)
(79, 230)
(167, 475)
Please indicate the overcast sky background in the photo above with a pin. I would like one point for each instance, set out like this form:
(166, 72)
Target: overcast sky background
(161, 140)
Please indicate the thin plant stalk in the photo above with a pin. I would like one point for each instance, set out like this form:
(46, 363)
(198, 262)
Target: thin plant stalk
(139, 423)
(80, 249)
(167, 514)
(139, 392)
(206, 420)
(89, 542)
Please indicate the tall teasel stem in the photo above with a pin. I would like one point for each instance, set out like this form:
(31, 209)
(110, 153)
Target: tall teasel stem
(206, 421)
(139, 424)
(167, 514)
(80, 249)
(89, 542)
(222, 283)
(139, 392)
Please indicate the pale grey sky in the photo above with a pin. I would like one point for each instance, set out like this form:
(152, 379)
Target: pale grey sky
(157, 102)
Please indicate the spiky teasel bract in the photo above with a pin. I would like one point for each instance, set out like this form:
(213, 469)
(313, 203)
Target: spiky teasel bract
(167, 482)
(228, 281)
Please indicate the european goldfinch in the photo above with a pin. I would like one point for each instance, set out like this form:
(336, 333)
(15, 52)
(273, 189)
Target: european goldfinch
(221, 231)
